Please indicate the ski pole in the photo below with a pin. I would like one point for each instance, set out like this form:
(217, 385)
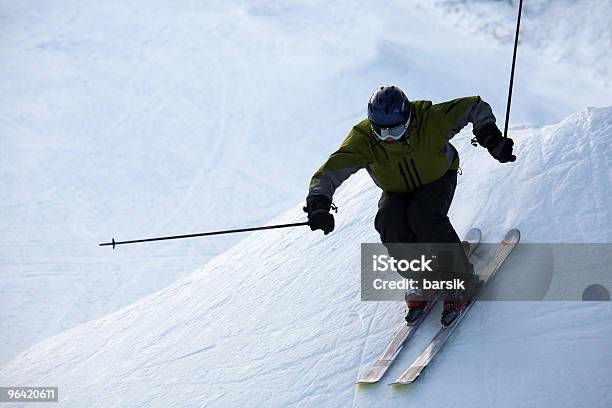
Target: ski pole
(518, 25)
(203, 234)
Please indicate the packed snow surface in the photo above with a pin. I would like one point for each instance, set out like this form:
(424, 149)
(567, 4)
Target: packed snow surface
(277, 319)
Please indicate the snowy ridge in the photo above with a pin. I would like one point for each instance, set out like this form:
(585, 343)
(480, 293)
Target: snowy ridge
(571, 32)
(279, 313)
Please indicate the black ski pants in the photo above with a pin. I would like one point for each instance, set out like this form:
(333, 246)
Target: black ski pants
(420, 216)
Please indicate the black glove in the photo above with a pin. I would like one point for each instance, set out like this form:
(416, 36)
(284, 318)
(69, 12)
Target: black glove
(319, 217)
(499, 147)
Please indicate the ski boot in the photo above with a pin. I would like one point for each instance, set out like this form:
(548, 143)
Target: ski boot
(452, 309)
(457, 301)
(414, 308)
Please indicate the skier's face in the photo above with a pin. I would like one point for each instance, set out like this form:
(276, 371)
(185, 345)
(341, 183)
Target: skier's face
(390, 134)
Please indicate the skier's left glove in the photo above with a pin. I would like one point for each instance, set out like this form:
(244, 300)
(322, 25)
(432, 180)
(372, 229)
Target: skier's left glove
(319, 217)
(490, 137)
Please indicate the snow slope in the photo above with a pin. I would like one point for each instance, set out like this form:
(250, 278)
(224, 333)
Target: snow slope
(277, 321)
(571, 32)
(143, 118)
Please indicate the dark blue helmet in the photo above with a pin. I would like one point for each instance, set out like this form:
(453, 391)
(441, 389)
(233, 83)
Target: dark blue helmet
(388, 107)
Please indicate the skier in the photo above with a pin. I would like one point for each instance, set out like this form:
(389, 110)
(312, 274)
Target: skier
(405, 147)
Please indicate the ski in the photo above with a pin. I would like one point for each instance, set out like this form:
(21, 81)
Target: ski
(506, 246)
(380, 366)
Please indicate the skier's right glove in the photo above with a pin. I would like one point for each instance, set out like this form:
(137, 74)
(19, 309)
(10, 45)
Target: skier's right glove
(490, 137)
(319, 217)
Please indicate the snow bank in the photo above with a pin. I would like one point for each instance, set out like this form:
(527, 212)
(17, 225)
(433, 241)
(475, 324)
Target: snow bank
(277, 321)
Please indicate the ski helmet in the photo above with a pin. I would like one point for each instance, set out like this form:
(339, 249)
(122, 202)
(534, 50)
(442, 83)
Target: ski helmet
(389, 112)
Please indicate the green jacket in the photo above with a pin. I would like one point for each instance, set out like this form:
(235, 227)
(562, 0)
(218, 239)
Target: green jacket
(423, 156)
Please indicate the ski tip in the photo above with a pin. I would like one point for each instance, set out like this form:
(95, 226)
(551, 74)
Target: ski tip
(369, 378)
(401, 383)
(474, 232)
(410, 375)
(513, 235)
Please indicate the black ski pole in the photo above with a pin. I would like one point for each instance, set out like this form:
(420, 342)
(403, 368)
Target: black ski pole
(203, 234)
(516, 37)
